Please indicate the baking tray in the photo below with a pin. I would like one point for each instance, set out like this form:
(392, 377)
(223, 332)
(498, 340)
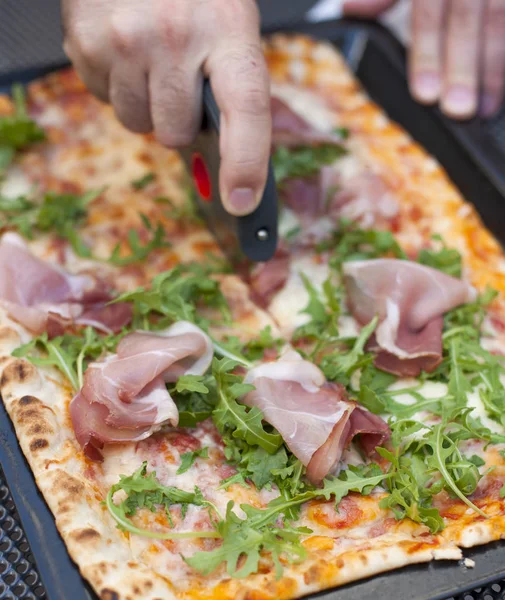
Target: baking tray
(472, 159)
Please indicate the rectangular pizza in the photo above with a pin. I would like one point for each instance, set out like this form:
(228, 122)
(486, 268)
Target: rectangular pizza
(207, 431)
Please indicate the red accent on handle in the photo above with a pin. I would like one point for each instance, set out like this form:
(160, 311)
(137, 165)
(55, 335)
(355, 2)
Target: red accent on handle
(201, 177)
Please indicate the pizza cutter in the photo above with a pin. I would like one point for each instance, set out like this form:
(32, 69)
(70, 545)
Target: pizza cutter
(253, 236)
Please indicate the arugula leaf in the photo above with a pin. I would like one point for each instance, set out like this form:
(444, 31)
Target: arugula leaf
(191, 383)
(339, 366)
(303, 161)
(17, 131)
(350, 243)
(455, 471)
(459, 385)
(324, 311)
(188, 458)
(242, 540)
(409, 495)
(187, 211)
(138, 251)
(60, 214)
(255, 348)
(145, 491)
(237, 478)
(142, 182)
(70, 354)
(447, 260)
(234, 419)
(257, 465)
(175, 295)
(353, 479)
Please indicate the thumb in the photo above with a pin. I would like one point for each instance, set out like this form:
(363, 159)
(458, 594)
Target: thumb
(239, 80)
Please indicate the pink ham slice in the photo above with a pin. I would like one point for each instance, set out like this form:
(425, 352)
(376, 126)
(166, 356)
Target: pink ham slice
(267, 278)
(291, 130)
(315, 418)
(124, 397)
(43, 297)
(410, 301)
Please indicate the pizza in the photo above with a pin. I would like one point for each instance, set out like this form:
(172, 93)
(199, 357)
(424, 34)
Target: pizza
(255, 431)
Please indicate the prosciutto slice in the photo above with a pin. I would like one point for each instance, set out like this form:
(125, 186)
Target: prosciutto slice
(267, 278)
(124, 397)
(315, 418)
(291, 130)
(410, 300)
(43, 297)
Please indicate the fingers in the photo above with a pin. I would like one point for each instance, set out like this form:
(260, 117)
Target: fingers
(460, 90)
(129, 96)
(176, 103)
(493, 58)
(240, 84)
(367, 8)
(425, 58)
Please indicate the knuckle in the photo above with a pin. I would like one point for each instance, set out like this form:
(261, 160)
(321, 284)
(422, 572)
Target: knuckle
(86, 48)
(174, 139)
(248, 86)
(175, 30)
(125, 33)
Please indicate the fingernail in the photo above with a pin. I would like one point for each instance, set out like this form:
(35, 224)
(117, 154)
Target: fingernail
(426, 86)
(489, 104)
(242, 201)
(459, 101)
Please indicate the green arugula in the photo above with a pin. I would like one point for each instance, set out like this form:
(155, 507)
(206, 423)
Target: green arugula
(243, 539)
(143, 490)
(303, 161)
(70, 354)
(235, 420)
(188, 458)
(142, 182)
(349, 242)
(339, 366)
(447, 260)
(138, 252)
(259, 531)
(323, 310)
(60, 214)
(175, 296)
(17, 131)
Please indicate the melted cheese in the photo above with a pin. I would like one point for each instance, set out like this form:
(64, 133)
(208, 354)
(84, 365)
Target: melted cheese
(15, 183)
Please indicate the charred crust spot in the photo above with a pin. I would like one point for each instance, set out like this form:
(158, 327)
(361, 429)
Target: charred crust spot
(137, 590)
(64, 508)
(363, 558)
(18, 372)
(85, 535)
(71, 487)
(37, 429)
(9, 335)
(38, 444)
(26, 400)
(106, 594)
(148, 585)
(21, 370)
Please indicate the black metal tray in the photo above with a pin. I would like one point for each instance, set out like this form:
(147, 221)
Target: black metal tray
(472, 158)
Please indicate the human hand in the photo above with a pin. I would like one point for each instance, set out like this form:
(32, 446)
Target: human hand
(148, 58)
(457, 55)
